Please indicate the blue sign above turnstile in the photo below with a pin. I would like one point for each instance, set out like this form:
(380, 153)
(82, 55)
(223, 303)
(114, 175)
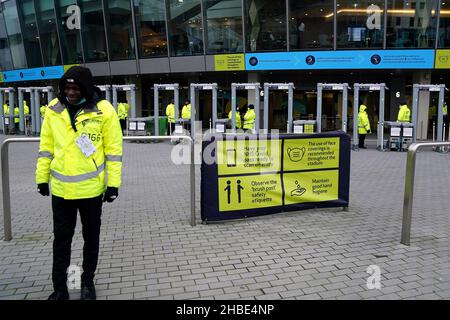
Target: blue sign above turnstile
(352, 59)
(33, 74)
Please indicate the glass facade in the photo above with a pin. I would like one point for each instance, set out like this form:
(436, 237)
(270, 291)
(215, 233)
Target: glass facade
(120, 27)
(224, 26)
(93, 31)
(14, 33)
(311, 25)
(444, 25)
(34, 33)
(45, 16)
(151, 28)
(411, 24)
(70, 37)
(5, 52)
(360, 24)
(30, 33)
(185, 27)
(265, 25)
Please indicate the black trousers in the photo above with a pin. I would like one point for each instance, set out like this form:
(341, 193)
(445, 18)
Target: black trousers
(362, 138)
(123, 124)
(64, 222)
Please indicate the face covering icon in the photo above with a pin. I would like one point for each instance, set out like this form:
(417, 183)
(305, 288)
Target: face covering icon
(296, 154)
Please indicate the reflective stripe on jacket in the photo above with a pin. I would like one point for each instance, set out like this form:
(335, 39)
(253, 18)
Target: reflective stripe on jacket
(60, 161)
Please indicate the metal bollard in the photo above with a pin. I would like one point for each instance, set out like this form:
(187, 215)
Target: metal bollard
(409, 186)
(4, 152)
(434, 131)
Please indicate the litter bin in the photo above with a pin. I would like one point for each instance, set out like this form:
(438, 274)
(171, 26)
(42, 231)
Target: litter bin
(162, 126)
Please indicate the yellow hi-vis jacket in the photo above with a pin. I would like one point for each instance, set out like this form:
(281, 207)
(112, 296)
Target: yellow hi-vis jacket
(170, 113)
(5, 109)
(363, 120)
(60, 160)
(42, 111)
(186, 111)
(122, 110)
(445, 110)
(404, 114)
(238, 119)
(26, 111)
(249, 119)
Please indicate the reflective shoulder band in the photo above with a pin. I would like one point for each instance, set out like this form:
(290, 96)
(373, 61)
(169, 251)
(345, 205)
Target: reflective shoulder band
(114, 158)
(45, 154)
(78, 178)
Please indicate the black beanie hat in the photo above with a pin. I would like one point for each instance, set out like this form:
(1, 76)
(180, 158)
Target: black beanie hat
(80, 76)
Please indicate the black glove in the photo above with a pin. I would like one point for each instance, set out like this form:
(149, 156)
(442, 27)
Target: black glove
(43, 189)
(111, 194)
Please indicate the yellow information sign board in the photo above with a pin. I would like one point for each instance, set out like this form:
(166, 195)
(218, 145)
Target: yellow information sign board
(442, 59)
(266, 173)
(248, 156)
(229, 62)
(308, 154)
(251, 175)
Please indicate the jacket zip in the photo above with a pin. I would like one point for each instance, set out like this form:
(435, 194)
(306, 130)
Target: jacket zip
(95, 164)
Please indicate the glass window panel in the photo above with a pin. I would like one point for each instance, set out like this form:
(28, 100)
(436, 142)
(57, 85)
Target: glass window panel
(265, 22)
(311, 24)
(121, 36)
(360, 24)
(48, 33)
(14, 34)
(185, 27)
(30, 34)
(93, 31)
(444, 25)
(411, 24)
(151, 28)
(224, 25)
(70, 38)
(5, 53)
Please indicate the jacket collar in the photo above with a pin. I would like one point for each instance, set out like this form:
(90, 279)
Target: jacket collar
(59, 107)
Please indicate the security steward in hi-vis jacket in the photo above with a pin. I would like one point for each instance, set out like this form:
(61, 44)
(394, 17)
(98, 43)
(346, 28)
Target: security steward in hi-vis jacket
(80, 149)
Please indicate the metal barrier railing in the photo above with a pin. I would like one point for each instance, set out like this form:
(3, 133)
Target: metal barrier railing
(409, 186)
(5, 175)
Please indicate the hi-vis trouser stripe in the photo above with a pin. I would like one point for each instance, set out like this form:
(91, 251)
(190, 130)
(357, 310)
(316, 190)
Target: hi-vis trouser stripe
(114, 158)
(45, 154)
(78, 178)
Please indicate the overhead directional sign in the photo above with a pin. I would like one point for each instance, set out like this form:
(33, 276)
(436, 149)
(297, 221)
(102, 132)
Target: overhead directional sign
(343, 59)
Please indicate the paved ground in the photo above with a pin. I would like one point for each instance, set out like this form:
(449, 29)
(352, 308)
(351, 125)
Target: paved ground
(149, 250)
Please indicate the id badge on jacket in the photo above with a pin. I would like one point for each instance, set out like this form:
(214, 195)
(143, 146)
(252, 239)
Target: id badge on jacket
(85, 144)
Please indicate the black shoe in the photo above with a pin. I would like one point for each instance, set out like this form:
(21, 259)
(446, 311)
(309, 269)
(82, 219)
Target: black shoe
(59, 295)
(88, 292)
(363, 147)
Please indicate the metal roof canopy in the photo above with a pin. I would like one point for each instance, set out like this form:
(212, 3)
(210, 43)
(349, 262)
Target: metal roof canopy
(194, 87)
(343, 87)
(248, 87)
(381, 87)
(279, 86)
